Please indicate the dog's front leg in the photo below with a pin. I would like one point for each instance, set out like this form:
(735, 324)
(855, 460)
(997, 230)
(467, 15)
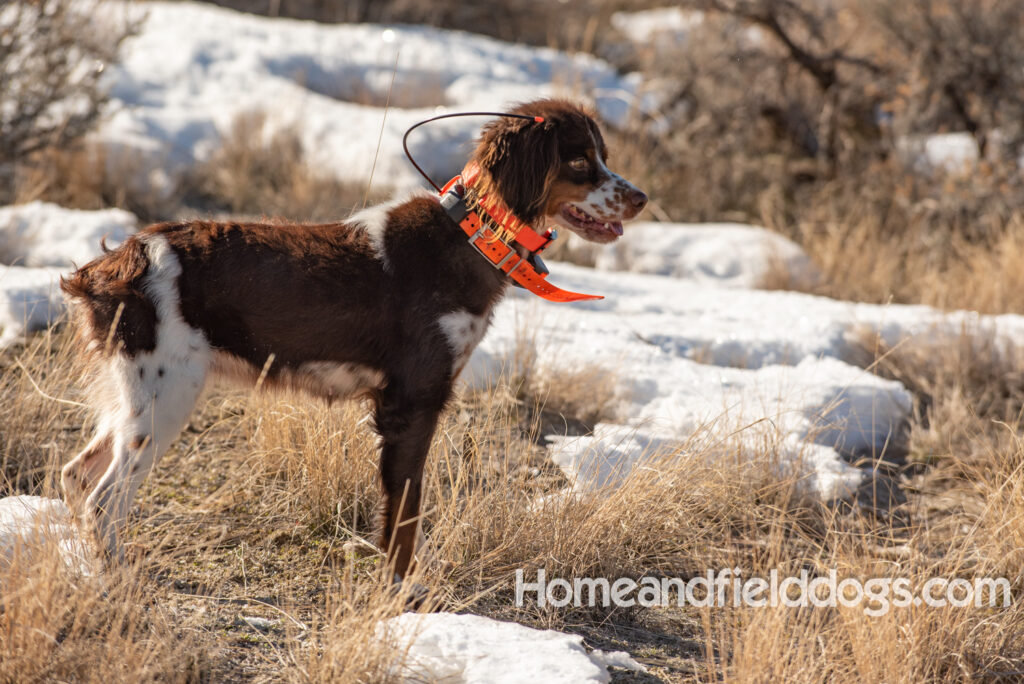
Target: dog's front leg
(406, 429)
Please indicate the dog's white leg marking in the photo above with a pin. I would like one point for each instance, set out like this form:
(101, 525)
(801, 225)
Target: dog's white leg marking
(153, 395)
(463, 331)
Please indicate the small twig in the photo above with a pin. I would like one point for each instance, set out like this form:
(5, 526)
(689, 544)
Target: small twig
(380, 137)
(113, 326)
(245, 599)
(44, 394)
(266, 369)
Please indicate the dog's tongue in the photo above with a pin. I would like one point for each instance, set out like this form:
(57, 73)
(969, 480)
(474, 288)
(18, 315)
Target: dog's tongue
(617, 228)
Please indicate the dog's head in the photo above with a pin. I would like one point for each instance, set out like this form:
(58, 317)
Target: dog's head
(554, 171)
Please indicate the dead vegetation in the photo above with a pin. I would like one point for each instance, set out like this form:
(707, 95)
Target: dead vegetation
(261, 172)
(257, 172)
(263, 509)
(810, 118)
(52, 53)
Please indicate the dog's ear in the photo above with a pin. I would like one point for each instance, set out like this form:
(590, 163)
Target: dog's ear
(520, 160)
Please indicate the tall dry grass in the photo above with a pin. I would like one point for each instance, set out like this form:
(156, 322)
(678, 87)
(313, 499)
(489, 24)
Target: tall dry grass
(895, 236)
(59, 626)
(255, 172)
(264, 508)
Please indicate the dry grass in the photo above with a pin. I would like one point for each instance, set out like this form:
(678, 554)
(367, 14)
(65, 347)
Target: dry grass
(254, 173)
(85, 176)
(264, 505)
(257, 172)
(58, 627)
(894, 237)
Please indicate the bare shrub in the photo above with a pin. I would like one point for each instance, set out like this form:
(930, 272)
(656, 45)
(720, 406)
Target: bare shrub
(957, 66)
(85, 176)
(895, 235)
(258, 173)
(798, 115)
(51, 57)
(765, 94)
(568, 24)
(251, 174)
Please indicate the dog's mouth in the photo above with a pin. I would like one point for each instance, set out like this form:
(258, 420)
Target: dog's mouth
(572, 217)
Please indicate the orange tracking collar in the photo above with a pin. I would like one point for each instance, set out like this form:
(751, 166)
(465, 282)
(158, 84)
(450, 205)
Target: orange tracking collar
(528, 272)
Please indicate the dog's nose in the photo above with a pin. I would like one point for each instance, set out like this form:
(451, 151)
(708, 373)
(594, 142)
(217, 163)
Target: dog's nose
(638, 199)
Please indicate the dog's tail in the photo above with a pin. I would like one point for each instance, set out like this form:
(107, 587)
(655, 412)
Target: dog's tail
(115, 273)
(109, 306)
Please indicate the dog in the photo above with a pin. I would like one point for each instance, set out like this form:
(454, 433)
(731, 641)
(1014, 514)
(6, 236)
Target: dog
(387, 305)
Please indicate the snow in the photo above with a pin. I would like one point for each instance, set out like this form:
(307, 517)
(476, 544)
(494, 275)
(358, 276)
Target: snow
(463, 649)
(953, 152)
(724, 254)
(30, 300)
(663, 30)
(695, 358)
(44, 234)
(29, 523)
(193, 68)
(43, 240)
(663, 26)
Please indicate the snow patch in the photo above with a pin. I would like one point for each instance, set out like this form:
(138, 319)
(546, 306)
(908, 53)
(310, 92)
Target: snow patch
(44, 234)
(724, 254)
(775, 368)
(464, 649)
(30, 300)
(945, 151)
(661, 26)
(27, 523)
(193, 68)
(43, 241)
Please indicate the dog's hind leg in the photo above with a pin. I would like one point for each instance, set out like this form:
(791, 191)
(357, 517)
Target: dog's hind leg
(155, 397)
(81, 475)
(153, 392)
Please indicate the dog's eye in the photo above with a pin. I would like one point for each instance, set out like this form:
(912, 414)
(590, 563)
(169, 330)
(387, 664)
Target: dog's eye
(579, 164)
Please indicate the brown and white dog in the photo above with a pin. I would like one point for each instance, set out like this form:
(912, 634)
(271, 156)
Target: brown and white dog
(388, 304)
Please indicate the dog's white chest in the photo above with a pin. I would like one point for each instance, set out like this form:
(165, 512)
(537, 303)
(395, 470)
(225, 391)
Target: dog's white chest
(463, 331)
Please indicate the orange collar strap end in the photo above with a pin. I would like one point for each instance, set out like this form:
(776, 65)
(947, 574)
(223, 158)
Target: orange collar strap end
(502, 256)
